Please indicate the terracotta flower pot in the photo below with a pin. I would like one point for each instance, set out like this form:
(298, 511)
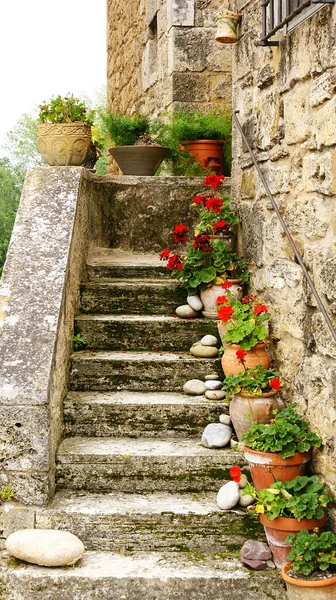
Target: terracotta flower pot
(228, 27)
(139, 160)
(277, 530)
(259, 408)
(256, 356)
(64, 144)
(303, 589)
(266, 467)
(210, 294)
(209, 153)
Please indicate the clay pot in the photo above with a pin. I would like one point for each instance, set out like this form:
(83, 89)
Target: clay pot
(277, 530)
(256, 356)
(209, 153)
(266, 467)
(210, 294)
(64, 144)
(259, 408)
(227, 27)
(302, 589)
(222, 329)
(139, 160)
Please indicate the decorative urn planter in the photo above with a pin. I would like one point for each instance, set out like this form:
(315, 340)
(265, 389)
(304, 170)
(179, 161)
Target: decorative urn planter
(228, 27)
(210, 294)
(308, 589)
(64, 144)
(246, 409)
(139, 160)
(266, 467)
(256, 356)
(209, 153)
(278, 529)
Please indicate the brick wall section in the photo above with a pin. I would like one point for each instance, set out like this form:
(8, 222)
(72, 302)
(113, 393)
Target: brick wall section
(286, 98)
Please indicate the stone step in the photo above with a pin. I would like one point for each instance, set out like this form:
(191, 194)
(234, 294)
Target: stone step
(120, 264)
(150, 522)
(142, 465)
(127, 296)
(134, 414)
(142, 332)
(152, 576)
(137, 371)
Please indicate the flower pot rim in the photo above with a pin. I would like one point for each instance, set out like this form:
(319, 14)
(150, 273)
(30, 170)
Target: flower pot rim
(238, 280)
(64, 124)
(264, 395)
(156, 146)
(229, 14)
(292, 524)
(304, 583)
(201, 141)
(260, 345)
(275, 457)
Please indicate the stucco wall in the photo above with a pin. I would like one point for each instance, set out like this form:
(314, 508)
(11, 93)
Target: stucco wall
(286, 98)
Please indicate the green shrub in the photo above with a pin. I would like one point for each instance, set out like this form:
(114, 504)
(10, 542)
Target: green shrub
(312, 552)
(124, 130)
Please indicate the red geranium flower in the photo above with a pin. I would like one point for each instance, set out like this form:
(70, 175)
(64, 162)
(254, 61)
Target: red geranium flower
(165, 254)
(241, 354)
(226, 285)
(235, 473)
(179, 233)
(221, 227)
(214, 205)
(224, 313)
(259, 309)
(213, 181)
(202, 242)
(275, 383)
(221, 300)
(199, 200)
(174, 262)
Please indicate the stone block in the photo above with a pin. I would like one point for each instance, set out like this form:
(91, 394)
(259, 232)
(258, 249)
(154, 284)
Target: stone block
(24, 438)
(289, 353)
(265, 77)
(319, 172)
(327, 275)
(191, 87)
(252, 229)
(149, 65)
(309, 216)
(30, 487)
(221, 87)
(322, 88)
(16, 517)
(325, 124)
(248, 184)
(323, 339)
(205, 12)
(151, 10)
(296, 103)
(268, 110)
(195, 49)
(181, 13)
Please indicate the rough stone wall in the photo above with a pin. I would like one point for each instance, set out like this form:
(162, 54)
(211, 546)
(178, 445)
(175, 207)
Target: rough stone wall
(286, 98)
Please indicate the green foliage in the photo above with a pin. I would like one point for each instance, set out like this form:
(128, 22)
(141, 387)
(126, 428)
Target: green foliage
(246, 326)
(210, 218)
(124, 130)
(286, 434)
(6, 494)
(252, 381)
(301, 498)
(10, 190)
(21, 146)
(65, 110)
(311, 552)
(78, 342)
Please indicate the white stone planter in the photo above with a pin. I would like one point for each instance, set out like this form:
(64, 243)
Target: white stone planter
(228, 27)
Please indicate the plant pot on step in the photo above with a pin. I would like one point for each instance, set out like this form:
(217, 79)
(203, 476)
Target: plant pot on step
(266, 467)
(210, 294)
(308, 589)
(139, 160)
(277, 530)
(228, 27)
(209, 153)
(64, 144)
(256, 356)
(246, 409)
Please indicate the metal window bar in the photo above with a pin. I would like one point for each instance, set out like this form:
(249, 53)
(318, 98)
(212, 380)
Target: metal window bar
(285, 228)
(278, 13)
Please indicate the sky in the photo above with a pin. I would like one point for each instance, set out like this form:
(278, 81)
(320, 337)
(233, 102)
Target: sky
(49, 48)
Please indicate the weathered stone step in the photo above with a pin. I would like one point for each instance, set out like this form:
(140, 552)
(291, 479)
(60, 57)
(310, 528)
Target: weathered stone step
(120, 264)
(142, 332)
(152, 576)
(137, 371)
(127, 296)
(142, 465)
(134, 414)
(150, 522)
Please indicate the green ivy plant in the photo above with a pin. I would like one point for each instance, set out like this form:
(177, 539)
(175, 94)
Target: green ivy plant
(286, 434)
(255, 381)
(67, 109)
(302, 498)
(311, 553)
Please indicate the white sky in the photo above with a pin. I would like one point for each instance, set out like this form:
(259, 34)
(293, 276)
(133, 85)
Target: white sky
(49, 47)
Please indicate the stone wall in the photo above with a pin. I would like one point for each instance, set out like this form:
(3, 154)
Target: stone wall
(286, 98)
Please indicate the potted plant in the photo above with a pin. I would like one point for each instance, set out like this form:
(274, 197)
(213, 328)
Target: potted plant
(287, 507)
(64, 132)
(279, 450)
(135, 150)
(312, 570)
(245, 333)
(254, 396)
(228, 26)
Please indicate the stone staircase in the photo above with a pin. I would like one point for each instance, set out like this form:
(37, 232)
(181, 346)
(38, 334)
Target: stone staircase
(132, 481)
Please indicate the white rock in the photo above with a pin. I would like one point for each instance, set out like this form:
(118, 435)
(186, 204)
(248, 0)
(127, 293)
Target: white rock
(46, 547)
(215, 394)
(211, 376)
(228, 495)
(209, 340)
(185, 312)
(225, 419)
(203, 351)
(243, 481)
(194, 387)
(195, 302)
(246, 500)
(213, 384)
(216, 435)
